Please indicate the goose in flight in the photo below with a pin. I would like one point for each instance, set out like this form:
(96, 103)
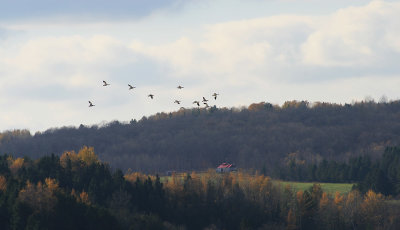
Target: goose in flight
(204, 100)
(206, 104)
(180, 87)
(196, 102)
(151, 96)
(105, 83)
(215, 96)
(177, 102)
(90, 104)
(131, 87)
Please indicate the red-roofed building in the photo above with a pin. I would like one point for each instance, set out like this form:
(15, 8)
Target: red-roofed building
(226, 167)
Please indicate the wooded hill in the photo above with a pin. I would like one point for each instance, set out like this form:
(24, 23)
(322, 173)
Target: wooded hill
(77, 191)
(258, 137)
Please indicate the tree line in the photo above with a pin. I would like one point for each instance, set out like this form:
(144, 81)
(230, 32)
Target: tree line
(259, 136)
(381, 175)
(77, 191)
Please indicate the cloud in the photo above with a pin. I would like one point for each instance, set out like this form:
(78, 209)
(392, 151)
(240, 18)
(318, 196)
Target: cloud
(54, 68)
(63, 56)
(355, 36)
(61, 69)
(350, 42)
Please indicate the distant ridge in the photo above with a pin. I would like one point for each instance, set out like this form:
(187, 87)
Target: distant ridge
(259, 136)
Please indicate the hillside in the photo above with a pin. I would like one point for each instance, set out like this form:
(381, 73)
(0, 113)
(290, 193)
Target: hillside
(77, 191)
(260, 136)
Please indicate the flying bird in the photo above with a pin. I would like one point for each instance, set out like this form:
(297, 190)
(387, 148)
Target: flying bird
(131, 87)
(151, 96)
(180, 87)
(105, 83)
(177, 102)
(215, 96)
(196, 102)
(204, 100)
(90, 104)
(206, 104)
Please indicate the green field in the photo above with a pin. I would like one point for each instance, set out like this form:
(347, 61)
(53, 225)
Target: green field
(330, 188)
(326, 187)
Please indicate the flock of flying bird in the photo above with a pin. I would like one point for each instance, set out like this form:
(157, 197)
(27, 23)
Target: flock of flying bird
(204, 101)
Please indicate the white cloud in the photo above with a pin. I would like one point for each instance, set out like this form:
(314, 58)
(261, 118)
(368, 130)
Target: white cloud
(355, 36)
(70, 61)
(274, 58)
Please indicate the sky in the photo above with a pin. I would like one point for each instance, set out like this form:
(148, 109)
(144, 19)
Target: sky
(54, 56)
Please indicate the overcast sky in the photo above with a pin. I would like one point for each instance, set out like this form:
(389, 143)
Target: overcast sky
(53, 57)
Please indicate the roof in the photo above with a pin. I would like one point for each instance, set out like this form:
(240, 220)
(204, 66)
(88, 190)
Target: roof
(225, 165)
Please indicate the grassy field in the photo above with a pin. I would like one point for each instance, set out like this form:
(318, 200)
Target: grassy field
(327, 187)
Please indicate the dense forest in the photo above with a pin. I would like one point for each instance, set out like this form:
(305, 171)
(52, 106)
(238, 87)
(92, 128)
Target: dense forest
(260, 136)
(381, 175)
(77, 191)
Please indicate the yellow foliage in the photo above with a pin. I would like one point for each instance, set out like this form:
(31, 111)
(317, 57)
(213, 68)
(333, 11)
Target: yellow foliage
(16, 165)
(194, 176)
(352, 198)
(10, 160)
(39, 197)
(372, 201)
(3, 183)
(257, 106)
(132, 177)
(372, 197)
(174, 184)
(69, 156)
(87, 155)
(373, 207)
(51, 184)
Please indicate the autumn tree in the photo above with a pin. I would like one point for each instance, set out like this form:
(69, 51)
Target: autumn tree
(40, 196)
(87, 155)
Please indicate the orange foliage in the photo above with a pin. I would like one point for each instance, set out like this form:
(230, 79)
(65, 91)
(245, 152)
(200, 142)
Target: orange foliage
(338, 200)
(373, 208)
(3, 183)
(84, 198)
(324, 202)
(299, 196)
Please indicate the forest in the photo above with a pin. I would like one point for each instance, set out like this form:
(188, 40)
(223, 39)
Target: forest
(381, 175)
(78, 191)
(262, 136)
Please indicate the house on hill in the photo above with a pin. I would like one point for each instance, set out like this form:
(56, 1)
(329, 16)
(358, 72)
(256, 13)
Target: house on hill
(226, 167)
